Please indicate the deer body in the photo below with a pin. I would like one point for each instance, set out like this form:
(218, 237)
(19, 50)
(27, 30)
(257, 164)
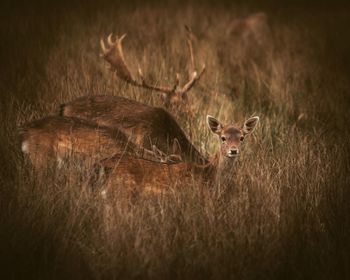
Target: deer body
(142, 174)
(101, 126)
(145, 125)
(135, 173)
(251, 29)
(55, 138)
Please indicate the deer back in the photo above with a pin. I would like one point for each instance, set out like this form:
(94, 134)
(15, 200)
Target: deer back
(145, 125)
(58, 137)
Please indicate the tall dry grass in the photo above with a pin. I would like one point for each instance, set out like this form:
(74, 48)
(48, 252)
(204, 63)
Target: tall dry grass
(283, 213)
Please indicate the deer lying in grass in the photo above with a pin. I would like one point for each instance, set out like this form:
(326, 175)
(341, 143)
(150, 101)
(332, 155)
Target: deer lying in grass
(133, 172)
(145, 125)
(53, 139)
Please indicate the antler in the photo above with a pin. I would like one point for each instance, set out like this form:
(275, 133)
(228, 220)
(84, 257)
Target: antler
(114, 55)
(165, 158)
(194, 76)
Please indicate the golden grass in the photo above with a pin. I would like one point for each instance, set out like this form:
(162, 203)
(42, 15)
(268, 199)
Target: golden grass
(283, 214)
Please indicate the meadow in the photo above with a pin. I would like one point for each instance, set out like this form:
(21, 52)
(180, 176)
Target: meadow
(284, 211)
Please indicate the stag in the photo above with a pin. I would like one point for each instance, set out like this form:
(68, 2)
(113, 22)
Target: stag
(145, 125)
(134, 172)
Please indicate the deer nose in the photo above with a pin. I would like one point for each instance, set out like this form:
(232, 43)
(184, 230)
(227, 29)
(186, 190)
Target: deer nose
(233, 152)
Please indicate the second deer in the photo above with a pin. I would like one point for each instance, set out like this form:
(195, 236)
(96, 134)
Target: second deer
(135, 173)
(53, 139)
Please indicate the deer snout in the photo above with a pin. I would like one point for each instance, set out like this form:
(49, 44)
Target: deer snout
(233, 152)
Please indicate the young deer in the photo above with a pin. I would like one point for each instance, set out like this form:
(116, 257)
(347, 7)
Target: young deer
(56, 138)
(133, 172)
(145, 125)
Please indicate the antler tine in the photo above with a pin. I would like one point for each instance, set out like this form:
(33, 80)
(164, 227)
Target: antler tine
(177, 81)
(109, 39)
(143, 81)
(140, 73)
(120, 47)
(115, 57)
(165, 158)
(103, 47)
(189, 34)
(195, 77)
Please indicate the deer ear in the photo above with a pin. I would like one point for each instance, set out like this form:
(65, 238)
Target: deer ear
(214, 125)
(249, 125)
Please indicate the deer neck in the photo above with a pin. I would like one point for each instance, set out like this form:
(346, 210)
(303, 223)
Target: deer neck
(223, 167)
(216, 169)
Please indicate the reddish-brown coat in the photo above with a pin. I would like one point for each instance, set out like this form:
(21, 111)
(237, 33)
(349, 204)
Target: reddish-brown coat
(137, 173)
(145, 125)
(142, 174)
(55, 138)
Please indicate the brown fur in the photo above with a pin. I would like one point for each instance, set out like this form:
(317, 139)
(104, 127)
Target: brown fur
(148, 175)
(145, 125)
(136, 173)
(55, 138)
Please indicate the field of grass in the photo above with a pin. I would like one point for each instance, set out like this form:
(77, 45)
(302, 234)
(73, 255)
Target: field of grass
(284, 213)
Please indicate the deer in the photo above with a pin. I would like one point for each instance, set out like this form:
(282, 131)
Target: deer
(251, 30)
(54, 139)
(137, 173)
(145, 125)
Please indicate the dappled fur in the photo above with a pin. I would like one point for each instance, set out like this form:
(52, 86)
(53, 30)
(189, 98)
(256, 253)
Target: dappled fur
(58, 137)
(141, 174)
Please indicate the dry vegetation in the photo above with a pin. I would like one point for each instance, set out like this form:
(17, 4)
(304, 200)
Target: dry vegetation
(284, 213)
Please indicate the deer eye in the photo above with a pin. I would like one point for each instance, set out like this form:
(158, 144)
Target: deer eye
(241, 138)
(223, 138)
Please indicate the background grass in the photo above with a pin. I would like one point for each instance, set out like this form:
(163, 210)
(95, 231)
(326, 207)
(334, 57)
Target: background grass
(285, 211)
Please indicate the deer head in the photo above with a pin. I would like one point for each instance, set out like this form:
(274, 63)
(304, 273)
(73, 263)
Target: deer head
(231, 136)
